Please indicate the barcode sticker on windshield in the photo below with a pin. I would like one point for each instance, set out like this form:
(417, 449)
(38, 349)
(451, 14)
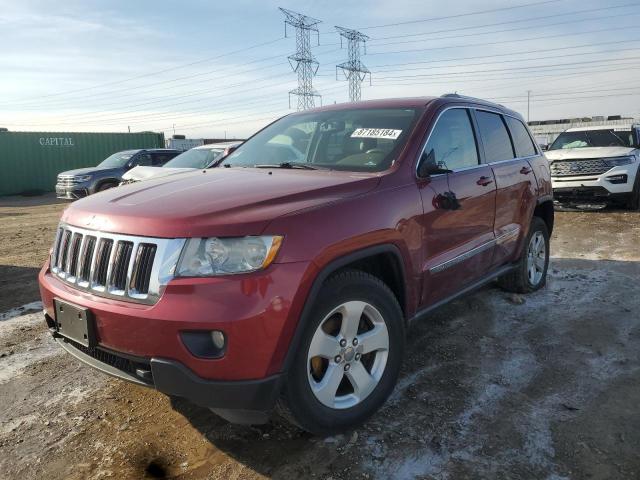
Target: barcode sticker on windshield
(376, 133)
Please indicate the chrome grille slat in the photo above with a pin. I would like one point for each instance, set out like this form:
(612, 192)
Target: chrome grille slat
(111, 265)
(103, 259)
(118, 276)
(63, 252)
(56, 247)
(87, 259)
(72, 255)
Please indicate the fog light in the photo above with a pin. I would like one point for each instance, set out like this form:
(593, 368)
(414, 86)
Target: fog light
(617, 178)
(218, 339)
(205, 344)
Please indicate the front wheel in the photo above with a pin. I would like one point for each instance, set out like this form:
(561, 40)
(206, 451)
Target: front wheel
(530, 273)
(349, 357)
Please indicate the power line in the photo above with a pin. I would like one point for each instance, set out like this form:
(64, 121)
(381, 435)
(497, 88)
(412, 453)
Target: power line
(460, 15)
(521, 20)
(498, 62)
(484, 80)
(492, 43)
(149, 74)
(581, 32)
(566, 65)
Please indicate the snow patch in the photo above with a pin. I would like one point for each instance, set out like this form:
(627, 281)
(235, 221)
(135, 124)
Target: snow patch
(18, 311)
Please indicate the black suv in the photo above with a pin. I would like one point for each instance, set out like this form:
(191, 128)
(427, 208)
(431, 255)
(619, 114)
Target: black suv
(81, 182)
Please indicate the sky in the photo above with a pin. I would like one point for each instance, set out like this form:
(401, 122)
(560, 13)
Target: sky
(216, 68)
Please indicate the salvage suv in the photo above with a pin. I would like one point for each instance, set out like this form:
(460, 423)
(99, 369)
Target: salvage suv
(268, 282)
(597, 166)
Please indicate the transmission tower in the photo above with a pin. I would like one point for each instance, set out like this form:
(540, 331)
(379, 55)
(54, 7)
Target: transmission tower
(303, 62)
(353, 69)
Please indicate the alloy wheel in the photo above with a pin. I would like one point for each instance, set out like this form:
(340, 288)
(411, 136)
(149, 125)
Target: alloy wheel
(536, 258)
(348, 355)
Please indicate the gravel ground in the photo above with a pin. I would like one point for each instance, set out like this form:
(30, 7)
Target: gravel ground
(544, 386)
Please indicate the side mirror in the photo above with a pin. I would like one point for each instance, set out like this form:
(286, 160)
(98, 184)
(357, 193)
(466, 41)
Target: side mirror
(636, 136)
(428, 166)
(229, 150)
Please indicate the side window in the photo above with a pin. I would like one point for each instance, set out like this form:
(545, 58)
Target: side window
(452, 143)
(495, 139)
(161, 158)
(521, 138)
(143, 159)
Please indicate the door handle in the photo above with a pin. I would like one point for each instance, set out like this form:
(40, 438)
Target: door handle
(525, 170)
(484, 181)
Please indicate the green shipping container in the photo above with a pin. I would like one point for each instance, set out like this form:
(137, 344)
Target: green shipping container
(31, 161)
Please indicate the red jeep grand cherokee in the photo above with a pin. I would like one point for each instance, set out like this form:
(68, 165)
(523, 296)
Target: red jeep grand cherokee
(289, 276)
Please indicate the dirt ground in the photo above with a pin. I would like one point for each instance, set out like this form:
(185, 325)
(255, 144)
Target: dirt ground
(495, 386)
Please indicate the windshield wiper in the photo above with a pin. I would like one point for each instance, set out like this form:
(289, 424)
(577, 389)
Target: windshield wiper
(304, 166)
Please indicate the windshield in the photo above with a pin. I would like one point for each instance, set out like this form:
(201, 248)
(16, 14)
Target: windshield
(116, 160)
(593, 138)
(364, 140)
(195, 158)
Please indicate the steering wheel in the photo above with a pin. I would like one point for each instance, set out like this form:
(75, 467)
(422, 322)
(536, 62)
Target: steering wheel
(374, 150)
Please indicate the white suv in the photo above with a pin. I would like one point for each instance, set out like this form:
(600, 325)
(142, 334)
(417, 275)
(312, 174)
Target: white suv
(596, 165)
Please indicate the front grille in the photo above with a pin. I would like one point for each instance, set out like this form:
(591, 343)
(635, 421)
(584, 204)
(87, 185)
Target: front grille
(576, 168)
(111, 265)
(64, 181)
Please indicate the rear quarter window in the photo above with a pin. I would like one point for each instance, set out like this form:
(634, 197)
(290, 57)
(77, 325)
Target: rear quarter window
(521, 138)
(496, 141)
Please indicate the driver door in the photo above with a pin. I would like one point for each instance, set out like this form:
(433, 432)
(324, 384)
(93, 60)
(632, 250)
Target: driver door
(459, 200)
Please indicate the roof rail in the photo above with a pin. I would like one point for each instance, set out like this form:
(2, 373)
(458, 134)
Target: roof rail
(466, 97)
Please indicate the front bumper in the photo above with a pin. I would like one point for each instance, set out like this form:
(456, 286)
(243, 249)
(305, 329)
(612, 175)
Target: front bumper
(71, 192)
(257, 312)
(250, 400)
(613, 186)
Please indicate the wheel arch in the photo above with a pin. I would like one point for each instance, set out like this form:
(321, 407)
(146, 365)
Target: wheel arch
(379, 255)
(544, 210)
(104, 181)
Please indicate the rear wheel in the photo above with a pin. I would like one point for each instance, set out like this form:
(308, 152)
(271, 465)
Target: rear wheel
(530, 273)
(634, 200)
(349, 358)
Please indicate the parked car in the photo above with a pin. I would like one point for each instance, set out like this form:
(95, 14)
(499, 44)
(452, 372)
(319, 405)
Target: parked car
(597, 165)
(81, 182)
(271, 282)
(204, 156)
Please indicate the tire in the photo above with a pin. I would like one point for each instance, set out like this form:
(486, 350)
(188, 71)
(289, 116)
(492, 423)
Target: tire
(105, 186)
(634, 199)
(375, 307)
(519, 280)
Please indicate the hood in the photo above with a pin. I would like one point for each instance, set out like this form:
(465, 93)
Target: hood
(588, 152)
(144, 173)
(90, 171)
(213, 202)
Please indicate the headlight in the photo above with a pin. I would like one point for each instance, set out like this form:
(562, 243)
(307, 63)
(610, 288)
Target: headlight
(618, 161)
(204, 257)
(82, 178)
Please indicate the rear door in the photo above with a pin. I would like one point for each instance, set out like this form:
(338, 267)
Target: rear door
(507, 148)
(459, 208)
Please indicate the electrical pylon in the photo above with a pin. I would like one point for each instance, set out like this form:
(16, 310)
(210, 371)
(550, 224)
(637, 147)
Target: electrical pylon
(353, 69)
(303, 62)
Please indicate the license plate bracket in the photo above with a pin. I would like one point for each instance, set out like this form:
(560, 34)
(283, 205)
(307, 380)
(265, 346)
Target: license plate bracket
(75, 322)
